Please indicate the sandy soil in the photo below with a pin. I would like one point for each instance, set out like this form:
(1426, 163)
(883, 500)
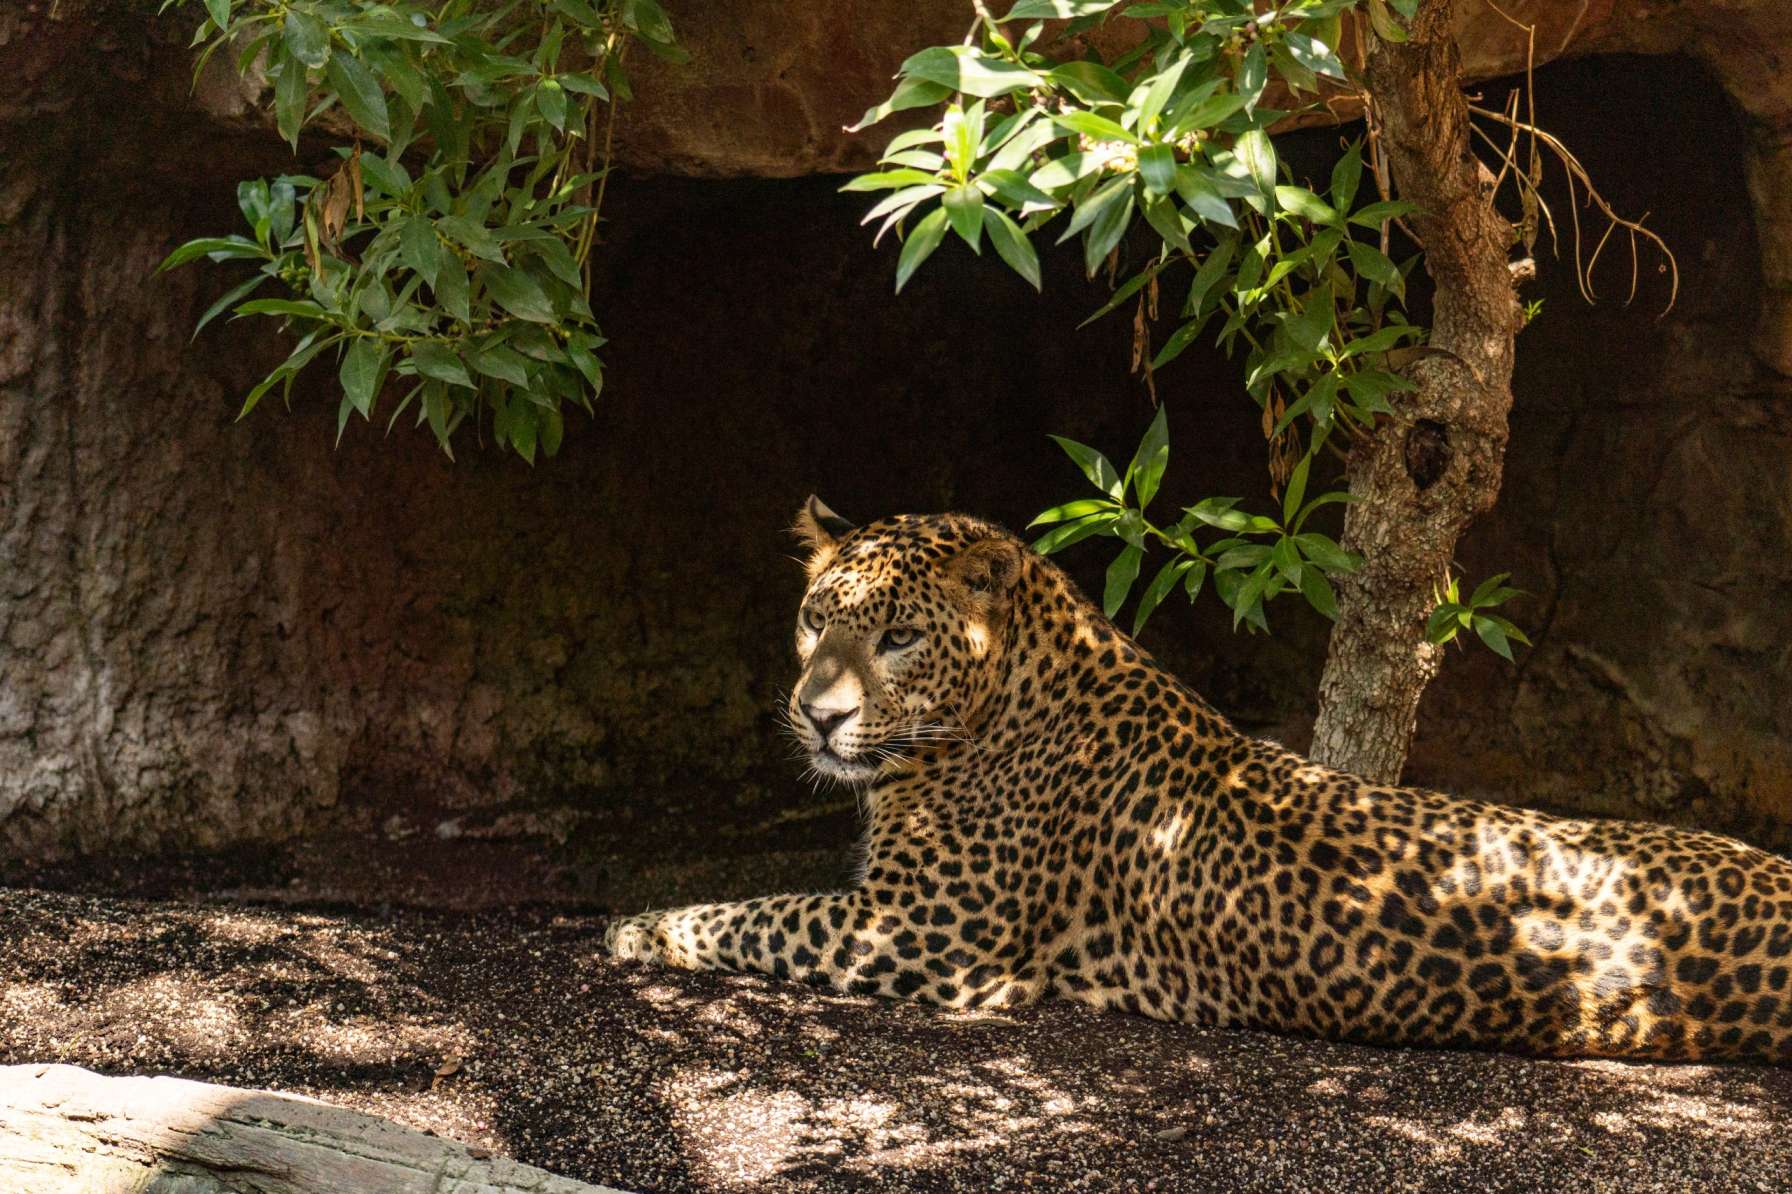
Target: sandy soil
(455, 985)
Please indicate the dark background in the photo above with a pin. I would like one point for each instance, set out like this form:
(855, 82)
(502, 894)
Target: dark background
(229, 632)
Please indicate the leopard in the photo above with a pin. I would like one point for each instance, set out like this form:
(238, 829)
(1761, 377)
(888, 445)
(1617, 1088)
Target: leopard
(1050, 813)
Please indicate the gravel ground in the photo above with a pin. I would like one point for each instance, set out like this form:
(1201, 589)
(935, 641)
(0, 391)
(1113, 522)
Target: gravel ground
(504, 1029)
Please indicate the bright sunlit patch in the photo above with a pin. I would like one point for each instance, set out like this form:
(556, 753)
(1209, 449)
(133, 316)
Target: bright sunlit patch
(1168, 836)
(977, 634)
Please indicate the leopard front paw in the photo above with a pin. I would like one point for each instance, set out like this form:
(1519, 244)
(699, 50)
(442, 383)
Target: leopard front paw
(632, 939)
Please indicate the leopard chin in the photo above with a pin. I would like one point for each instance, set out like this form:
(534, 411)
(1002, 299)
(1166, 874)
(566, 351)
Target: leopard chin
(852, 772)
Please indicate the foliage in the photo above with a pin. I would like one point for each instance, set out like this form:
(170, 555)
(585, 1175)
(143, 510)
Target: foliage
(1257, 558)
(449, 248)
(1175, 131)
(1453, 615)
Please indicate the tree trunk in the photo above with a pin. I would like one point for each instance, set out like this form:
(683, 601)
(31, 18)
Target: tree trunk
(63, 1128)
(1431, 468)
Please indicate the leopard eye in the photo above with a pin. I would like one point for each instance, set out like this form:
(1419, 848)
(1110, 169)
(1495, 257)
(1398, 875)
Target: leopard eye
(898, 637)
(813, 620)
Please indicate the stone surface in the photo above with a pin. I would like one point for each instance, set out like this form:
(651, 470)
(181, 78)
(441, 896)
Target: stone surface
(214, 631)
(66, 1129)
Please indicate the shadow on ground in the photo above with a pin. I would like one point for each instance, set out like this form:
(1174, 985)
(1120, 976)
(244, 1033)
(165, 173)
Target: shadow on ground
(507, 1031)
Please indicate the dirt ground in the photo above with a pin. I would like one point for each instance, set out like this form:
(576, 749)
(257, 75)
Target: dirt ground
(451, 980)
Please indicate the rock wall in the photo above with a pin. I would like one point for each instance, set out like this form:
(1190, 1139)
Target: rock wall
(214, 631)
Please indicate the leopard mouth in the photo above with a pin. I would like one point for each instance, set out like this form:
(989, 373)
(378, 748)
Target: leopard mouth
(862, 766)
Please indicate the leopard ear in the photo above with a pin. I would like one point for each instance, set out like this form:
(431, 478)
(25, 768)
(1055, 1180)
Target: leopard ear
(820, 527)
(988, 566)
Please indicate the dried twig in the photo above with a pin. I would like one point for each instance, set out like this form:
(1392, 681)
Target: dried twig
(1577, 173)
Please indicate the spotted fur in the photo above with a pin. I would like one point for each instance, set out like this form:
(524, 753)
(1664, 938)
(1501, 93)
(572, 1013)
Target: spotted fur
(1051, 812)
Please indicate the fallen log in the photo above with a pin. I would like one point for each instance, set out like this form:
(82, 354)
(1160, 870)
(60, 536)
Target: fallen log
(66, 1129)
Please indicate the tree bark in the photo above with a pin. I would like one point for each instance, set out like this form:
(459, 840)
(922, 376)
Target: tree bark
(1435, 465)
(63, 1128)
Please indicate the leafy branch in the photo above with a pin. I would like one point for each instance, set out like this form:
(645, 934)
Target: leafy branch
(447, 254)
(1036, 131)
(1258, 557)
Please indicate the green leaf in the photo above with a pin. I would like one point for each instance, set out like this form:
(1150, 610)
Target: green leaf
(502, 363)
(1213, 267)
(1346, 174)
(290, 91)
(1297, 489)
(1258, 155)
(1325, 554)
(440, 362)
(884, 180)
(1310, 331)
(587, 364)
(1314, 54)
(522, 431)
(420, 248)
(1064, 171)
(583, 85)
(218, 248)
(1111, 217)
(1384, 24)
(230, 298)
(910, 93)
(451, 288)
(363, 368)
(1090, 82)
(1013, 187)
(1099, 128)
(1131, 528)
(550, 98)
(518, 293)
(1305, 204)
(1381, 340)
(303, 308)
(360, 93)
(1192, 583)
(1484, 593)
(964, 208)
(1058, 538)
(1070, 511)
(1203, 197)
(962, 68)
(553, 430)
(1375, 214)
(920, 245)
(1494, 635)
(1127, 289)
(1157, 166)
(219, 12)
(1375, 265)
(1012, 245)
(1253, 75)
(1163, 85)
(1146, 472)
(1158, 589)
(1247, 598)
(1318, 592)
(1442, 625)
(1057, 10)
(1095, 466)
(307, 38)
(1121, 573)
(898, 205)
(472, 236)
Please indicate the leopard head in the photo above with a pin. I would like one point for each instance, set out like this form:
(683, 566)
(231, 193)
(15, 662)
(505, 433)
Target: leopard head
(903, 636)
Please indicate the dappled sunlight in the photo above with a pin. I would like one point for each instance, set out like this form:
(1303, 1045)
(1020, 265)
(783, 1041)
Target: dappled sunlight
(514, 1035)
(741, 1132)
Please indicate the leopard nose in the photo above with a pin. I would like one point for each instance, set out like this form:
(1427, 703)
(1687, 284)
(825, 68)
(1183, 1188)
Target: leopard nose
(826, 721)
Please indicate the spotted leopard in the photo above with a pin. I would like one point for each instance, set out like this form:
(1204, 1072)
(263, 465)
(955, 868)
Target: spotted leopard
(1050, 812)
